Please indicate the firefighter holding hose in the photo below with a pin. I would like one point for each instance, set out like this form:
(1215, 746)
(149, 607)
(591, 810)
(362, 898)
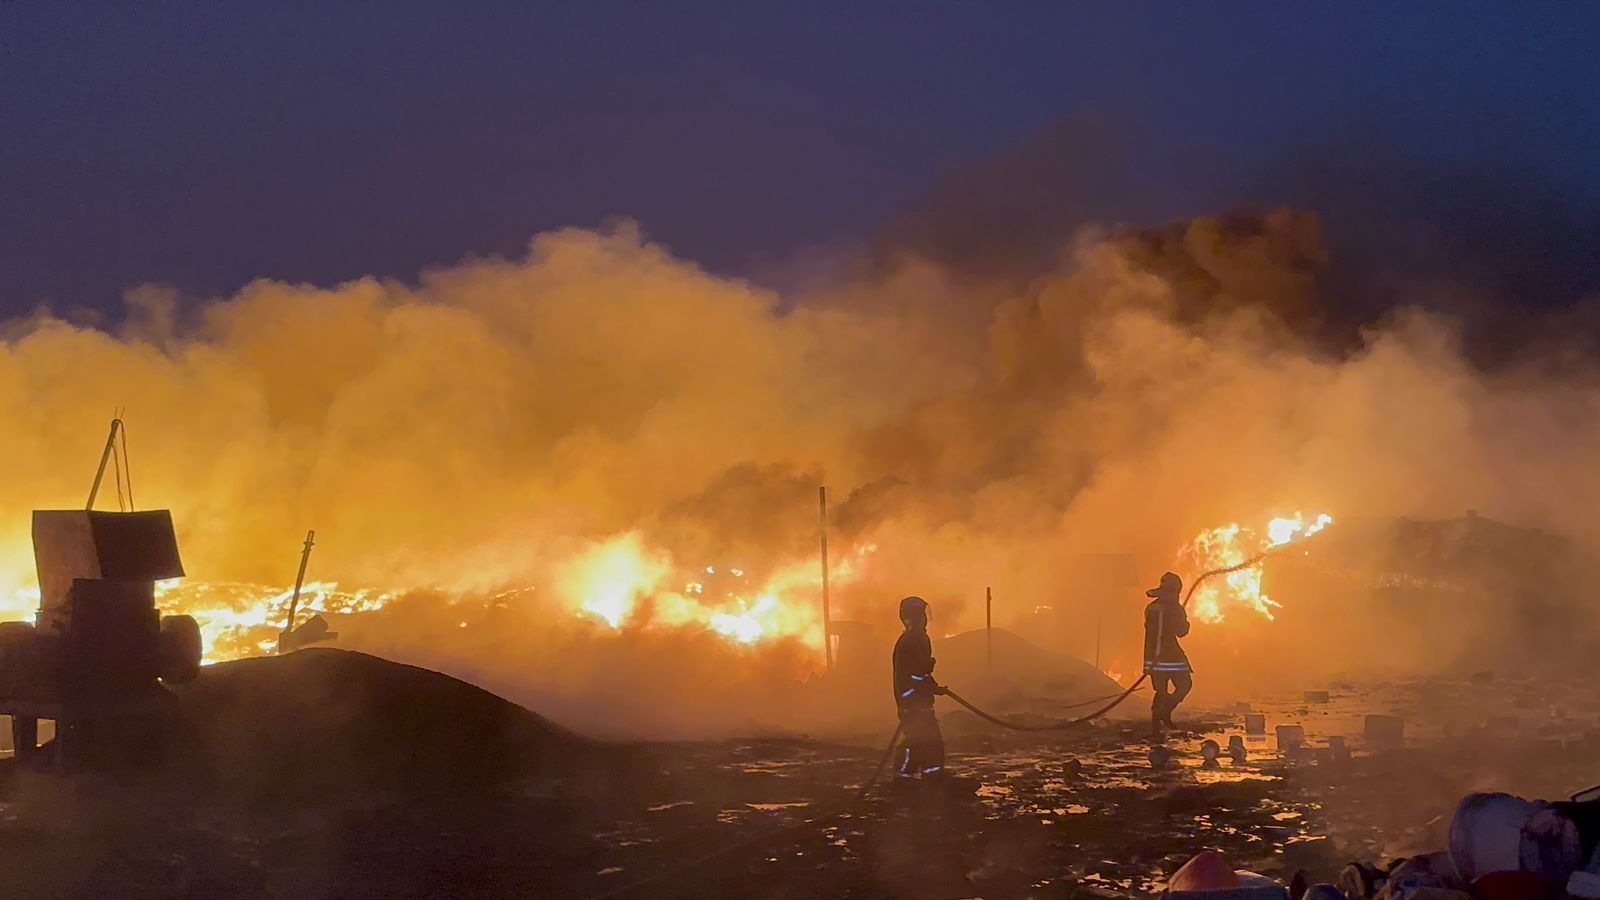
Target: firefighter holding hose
(1165, 621)
(914, 690)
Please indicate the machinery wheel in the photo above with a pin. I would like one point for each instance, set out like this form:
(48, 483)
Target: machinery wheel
(180, 649)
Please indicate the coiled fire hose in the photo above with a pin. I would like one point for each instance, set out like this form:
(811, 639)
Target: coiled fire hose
(894, 739)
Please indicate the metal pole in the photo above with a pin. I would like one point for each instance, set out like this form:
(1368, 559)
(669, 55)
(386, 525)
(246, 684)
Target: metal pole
(105, 457)
(988, 623)
(299, 579)
(827, 619)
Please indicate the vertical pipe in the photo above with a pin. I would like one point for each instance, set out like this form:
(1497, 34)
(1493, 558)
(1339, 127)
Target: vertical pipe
(105, 457)
(988, 623)
(827, 618)
(299, 579)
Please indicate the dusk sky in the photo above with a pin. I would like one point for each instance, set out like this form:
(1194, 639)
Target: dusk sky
(203, 145)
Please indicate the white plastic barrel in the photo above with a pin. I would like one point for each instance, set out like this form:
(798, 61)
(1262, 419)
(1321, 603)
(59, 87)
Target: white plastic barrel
(1495, 832)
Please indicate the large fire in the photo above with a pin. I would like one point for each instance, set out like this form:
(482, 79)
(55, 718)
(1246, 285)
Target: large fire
(1232, 545)
(618, 583)
(240, 619)
(622, 582)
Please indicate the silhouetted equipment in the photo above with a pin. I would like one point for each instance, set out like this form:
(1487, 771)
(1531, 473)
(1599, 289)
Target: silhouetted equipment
(96, 660)
(124, 473)
(316, 628)
(313, 630)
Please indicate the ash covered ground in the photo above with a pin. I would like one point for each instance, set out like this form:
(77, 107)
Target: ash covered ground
(369, 779)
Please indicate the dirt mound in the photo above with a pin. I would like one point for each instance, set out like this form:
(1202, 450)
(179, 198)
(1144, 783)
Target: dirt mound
(325, 720)
(1024, 675)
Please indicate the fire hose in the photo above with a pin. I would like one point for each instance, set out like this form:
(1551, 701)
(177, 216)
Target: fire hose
(1117, 699)
(894, 739)
(1053, 726)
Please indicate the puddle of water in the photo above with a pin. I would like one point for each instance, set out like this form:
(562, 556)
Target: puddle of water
(768, 766)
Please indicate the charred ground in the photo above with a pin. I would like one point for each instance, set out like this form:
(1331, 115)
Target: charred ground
(356, 777)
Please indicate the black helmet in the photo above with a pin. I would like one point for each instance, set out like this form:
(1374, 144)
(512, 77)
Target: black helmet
(1171, 585)
(910, 606)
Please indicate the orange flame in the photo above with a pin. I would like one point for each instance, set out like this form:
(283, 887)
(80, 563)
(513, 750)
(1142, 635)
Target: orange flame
(624, 583)
(1232, 544)
(619, 583)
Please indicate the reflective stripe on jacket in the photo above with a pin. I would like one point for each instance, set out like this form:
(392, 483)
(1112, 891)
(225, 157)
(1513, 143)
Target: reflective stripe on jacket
(913, 669)
(1164, 622)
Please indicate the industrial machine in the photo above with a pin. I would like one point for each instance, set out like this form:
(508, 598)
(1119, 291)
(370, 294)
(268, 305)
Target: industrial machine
(96, 660)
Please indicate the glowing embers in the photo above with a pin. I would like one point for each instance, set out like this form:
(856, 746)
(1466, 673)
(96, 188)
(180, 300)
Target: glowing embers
(1234, 544)
(242, 619)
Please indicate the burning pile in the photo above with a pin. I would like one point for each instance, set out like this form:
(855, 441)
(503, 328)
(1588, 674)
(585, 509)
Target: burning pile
(1231, 545)
(239, 619)
(618, 583)
(623, 582)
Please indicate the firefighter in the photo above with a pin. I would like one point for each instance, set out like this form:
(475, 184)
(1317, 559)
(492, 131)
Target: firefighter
(914, 689)
(1164, 660)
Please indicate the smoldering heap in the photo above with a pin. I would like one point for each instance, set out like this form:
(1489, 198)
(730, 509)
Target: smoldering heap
(325, 721)
(487, 425)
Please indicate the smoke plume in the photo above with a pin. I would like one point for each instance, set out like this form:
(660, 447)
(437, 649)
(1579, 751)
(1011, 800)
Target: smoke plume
(505, 442)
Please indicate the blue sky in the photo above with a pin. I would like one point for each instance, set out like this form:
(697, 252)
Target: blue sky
(203, 145)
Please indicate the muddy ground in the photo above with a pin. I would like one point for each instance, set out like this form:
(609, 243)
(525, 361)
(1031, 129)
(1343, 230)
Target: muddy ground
(1027, 815)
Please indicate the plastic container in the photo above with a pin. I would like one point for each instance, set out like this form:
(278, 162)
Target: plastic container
(1496, 832)
(1291, 738)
